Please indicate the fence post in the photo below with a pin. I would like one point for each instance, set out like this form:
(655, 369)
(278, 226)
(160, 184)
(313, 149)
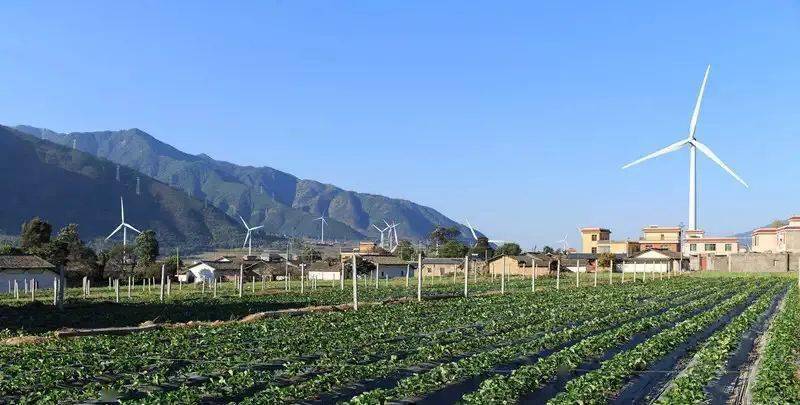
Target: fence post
(533, 275)
(611, 272)
(466, 274)
(419, 277)
(558, 274)
(503, 278)
(161, 289)
(241, 278)
(355, 284)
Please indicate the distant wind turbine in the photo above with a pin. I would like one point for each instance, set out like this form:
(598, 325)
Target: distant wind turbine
(381, 231)
(694, 144)
(124, 226)
(475, 235)
(248, 239)
(322, 232)
(564, 242)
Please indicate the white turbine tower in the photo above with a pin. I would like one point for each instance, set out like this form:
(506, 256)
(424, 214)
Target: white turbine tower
(475, 236)
(248, 239)
(124, 226)
(322, 232)
(694, 144)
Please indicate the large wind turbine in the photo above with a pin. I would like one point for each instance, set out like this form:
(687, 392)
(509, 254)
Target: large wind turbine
(475, 235)
(124, 226)
(248, 239)
(322, 232)
(694, 144)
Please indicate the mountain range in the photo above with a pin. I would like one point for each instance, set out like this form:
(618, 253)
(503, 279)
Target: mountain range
(62, 185)
(283, 203)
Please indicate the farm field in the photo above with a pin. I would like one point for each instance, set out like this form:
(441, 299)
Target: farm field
(688, 339)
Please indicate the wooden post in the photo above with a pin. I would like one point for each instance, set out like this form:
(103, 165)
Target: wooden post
(466, 274)
(611, 272)
(558, 273)
(161, 289)
(241, 277)
(419, 277)
(503, 278)
(116, 289)
(355, 285)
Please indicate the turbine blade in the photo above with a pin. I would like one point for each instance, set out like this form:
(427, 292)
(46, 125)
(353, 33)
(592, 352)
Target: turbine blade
(708, 152)
(472, 230)
(115, 231)
(696, 112)
(387, 224)
(122, 209)
(376, 227)
(245, 223)
(671, 148)
(131, 228)
(258, 227)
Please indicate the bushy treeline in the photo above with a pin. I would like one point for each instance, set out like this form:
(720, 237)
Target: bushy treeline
(79, 259)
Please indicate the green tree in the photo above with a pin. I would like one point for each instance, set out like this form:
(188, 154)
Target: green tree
(405, 250)
(172, 264)
(8, 249)
(35, 233)
(604, 259)
(441, 235)
(511, 249)
(117, 262)
(482, 247)
(146, 248)
(453, 248)
(362, 267)
(548, 250)
(309, 254)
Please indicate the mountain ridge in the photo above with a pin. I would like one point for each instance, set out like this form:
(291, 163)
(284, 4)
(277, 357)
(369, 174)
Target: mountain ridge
(282, 202)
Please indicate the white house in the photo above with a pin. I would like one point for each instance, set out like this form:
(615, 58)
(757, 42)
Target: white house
(655, 261)
(25, 269)
(323, 271)
(391, 266)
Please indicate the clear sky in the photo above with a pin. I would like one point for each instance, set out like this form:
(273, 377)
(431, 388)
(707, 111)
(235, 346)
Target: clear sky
(517, 116)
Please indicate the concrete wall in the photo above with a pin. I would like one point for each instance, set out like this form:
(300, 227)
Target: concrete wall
(44, 279)
(751, 262)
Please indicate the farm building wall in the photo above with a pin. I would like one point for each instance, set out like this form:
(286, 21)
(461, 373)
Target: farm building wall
(750, 262)
(44, 279)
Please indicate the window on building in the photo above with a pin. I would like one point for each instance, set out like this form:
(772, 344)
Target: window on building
(662, 236)
(710, 247)
(594, 250)
(728, 247)
(755, 240)
(693, 247)
(594, 238)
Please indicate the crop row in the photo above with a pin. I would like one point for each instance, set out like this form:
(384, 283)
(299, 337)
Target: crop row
(86, 365)
(710, 360)
(528, 378)
(600, 384)
(776, 379)
(424, 383)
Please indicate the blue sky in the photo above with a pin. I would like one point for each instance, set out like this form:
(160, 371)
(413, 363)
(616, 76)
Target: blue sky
(517, 115)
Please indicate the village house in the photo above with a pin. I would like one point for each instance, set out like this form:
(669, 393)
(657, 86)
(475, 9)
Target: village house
(223, 269)
(441, 266)
(25, 269)
(779, 239)
(521, 264)
(655, 261)
(391, 266)
(323, 270)
(701, 247)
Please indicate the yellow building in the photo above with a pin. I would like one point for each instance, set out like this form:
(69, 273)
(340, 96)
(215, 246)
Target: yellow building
(781, 239)
(598, 240)
(661, 238)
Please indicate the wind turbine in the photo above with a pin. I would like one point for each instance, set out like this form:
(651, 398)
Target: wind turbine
(322, 234)
(381, 231)
(475, 236)
(694, 145)
(564, 242)
(124, 226)
(248, 239)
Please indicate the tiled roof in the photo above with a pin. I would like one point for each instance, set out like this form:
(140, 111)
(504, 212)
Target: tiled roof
(14, 262)
(387, 260)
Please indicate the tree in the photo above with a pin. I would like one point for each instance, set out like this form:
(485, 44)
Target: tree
(309, 254)
(146, 248)
(172, 263)
(116, 262)
(35, 233)
(362, 267)
(8, 249)
(482, 247)
(441, 235)
(548, 250)
(453, 248)
(604, 259)
(511, 249)
(405, 250)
